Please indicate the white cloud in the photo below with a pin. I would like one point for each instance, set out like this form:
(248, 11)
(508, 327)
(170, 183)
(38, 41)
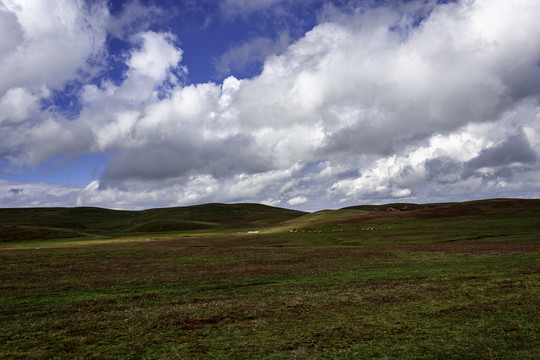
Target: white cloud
(46, 44)
(14, 194)
(297, 200)
(134, 18)
(271, 202)
(184, 190)
(251, 52)
(17, 105)
(155, 57)
(51, 41)
(12, 30)
(400, 193)
(474, 159)
(365, 107)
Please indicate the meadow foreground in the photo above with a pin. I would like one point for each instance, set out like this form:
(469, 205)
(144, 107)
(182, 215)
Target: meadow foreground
(321, 291)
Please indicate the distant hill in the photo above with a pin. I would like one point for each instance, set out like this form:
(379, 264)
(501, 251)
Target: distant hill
(452, 209)
(514, 219)
(396, 207)
(38, 223)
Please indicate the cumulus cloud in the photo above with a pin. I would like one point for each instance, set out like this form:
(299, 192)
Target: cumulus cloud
(12, 30)
(155, 57)
(371, 105)
(134, 17)
(13, 194)
(251, 52)
(297, 200)
(46, 44)
(17, 105)
(477, 160)
(515, 149)
(50, 41)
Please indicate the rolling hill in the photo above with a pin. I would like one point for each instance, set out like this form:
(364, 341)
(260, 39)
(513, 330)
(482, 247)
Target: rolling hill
(494, 219)
(46, 223)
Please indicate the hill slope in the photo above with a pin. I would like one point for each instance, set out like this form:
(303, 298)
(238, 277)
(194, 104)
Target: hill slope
(38, 223)
(508, 220)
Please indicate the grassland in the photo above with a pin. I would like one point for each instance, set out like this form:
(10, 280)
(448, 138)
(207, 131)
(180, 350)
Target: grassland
(244, 281)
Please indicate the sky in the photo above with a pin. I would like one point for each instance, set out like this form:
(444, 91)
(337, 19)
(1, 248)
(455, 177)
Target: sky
(304, 104)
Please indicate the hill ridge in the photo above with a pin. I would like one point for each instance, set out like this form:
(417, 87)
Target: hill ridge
(435, 221)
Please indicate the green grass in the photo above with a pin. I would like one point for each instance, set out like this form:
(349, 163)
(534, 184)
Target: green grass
(452, 281)
(497, 220)
(166, 300)
(29, 227)
(16, 233)
(170, 225)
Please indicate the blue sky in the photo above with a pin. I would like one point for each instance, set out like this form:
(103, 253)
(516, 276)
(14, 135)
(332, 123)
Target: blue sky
(305, 104)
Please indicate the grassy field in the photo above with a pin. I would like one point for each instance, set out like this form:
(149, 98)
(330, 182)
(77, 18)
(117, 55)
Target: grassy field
(402, 281)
